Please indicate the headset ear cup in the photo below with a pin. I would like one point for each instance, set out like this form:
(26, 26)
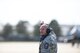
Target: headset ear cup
(48, 30)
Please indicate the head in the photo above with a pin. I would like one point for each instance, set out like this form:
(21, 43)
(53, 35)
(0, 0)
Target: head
(44, 30)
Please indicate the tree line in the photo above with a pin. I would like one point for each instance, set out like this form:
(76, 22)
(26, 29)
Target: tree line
(21, 28)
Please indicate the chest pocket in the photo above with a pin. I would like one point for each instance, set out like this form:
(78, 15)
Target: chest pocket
(44, 45)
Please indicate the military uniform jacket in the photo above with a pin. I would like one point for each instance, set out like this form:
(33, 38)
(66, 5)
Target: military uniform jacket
(48, 45)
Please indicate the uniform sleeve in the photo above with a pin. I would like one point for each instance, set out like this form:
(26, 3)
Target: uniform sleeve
(53, 46)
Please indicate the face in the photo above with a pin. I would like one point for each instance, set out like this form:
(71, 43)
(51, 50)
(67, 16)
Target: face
(43, 30)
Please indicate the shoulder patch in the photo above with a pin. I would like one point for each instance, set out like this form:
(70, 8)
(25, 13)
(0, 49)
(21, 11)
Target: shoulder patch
(46, 45)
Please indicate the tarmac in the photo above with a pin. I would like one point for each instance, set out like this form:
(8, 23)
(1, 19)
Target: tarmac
(33, 47)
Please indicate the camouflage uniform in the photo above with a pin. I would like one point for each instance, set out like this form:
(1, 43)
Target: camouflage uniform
(49, 44)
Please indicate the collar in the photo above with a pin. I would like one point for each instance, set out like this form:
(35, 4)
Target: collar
(42, 37)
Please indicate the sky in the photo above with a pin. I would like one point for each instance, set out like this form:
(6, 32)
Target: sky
(64, 11)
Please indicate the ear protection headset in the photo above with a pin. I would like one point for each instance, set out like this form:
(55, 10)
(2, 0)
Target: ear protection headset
(49, 30)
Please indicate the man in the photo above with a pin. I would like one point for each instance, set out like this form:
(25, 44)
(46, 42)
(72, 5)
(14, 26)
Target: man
(48, 43)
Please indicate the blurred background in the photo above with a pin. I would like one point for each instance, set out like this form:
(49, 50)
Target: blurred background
(20, 21)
